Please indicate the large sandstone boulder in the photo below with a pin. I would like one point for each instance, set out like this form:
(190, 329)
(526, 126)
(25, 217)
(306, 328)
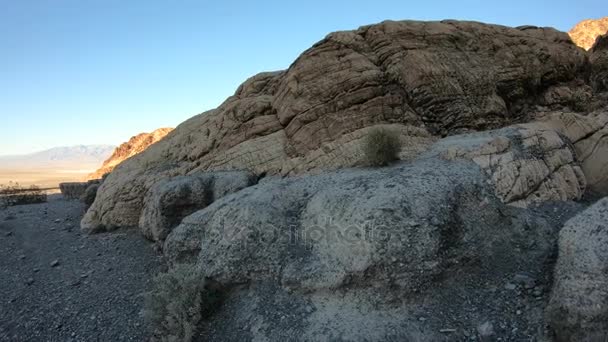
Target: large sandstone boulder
(426, 79)
(361, 254)
(172, 199)
(578, 310)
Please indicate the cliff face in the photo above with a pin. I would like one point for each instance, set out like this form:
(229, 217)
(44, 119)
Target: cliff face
(426, 80)
(135, 145)
(585, 32)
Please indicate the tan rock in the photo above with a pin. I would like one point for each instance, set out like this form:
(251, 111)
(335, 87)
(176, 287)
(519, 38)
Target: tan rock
(525, 163)
(586, 32)
(427, 79)
(135, 145)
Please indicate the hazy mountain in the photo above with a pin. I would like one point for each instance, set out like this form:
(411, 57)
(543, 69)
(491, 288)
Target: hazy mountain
(80, 156)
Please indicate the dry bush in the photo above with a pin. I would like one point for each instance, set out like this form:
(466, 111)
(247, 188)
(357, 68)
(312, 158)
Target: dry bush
(381, 146)
(177, 303)
(14, 194)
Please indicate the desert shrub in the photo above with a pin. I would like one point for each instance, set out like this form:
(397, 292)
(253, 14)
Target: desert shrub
(581, 100)
(14, 194)
(381, 146)
(176, 304)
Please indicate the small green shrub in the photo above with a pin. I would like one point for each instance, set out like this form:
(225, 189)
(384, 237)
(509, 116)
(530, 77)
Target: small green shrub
(14, 194)
(380, 147)
(174, 307)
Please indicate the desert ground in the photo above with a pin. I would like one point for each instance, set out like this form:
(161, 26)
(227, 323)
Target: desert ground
(44, 178)
(60, 285)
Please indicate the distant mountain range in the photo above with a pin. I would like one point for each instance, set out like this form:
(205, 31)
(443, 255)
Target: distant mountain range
(79, 157)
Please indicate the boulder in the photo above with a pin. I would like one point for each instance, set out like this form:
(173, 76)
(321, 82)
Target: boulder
(358, 254)
(88, 197)
(525, 163)
(589, 137)
(427, 79)
(172, 199)
(578, 309)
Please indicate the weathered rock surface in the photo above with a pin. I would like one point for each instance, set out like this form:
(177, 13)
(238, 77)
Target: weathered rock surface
(586, 32)
(135, 145)
(589, 138)
(172, 199)
(526, 163)
(354, 255)
(88, 197)
(578, 309)
(425, 79)
(599, 64)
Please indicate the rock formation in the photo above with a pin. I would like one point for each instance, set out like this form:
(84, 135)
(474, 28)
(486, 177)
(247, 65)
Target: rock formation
(359, 254)
(425, 79)
(501, 129)
(172, 199)
(578, 310)
(135, 145)
(585, 32)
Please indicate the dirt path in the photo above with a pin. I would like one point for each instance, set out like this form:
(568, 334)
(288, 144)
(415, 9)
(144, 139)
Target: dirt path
(57, 284)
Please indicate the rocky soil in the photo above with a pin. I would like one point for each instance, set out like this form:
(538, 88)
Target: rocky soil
(57, 284)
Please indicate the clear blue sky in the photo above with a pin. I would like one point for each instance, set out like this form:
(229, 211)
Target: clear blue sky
(97, 72)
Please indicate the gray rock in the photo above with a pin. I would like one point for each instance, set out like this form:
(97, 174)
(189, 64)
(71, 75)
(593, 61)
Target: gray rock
(578, 308)
(486, 331)
(330, 241)
(88, 197)
(172, 199)
(54, 263)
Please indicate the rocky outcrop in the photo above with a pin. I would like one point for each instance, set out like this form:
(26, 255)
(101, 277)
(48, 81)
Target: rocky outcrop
(586, 32)
(359, 254)
(424, 79)
(578, 310)
(589, 138)
(526, 163)
(599, 64)
(135, 145)
(172, 199)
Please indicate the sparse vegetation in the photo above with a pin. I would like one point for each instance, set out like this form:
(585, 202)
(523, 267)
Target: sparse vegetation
(581, 100)
(381, 146)
(177, 303)
(14, 194)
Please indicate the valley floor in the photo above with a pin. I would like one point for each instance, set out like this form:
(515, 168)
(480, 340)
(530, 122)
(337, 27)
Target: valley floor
(57, 284)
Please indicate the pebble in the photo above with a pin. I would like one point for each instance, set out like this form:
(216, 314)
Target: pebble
(510, 286)
(57, 221)
(29, 281)
(8, 234)
(22, 256)
(524, 279)
(55, 263)
(485, 330)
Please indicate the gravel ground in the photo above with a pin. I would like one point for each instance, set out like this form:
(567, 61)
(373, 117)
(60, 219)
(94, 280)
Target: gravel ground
(57, 284)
